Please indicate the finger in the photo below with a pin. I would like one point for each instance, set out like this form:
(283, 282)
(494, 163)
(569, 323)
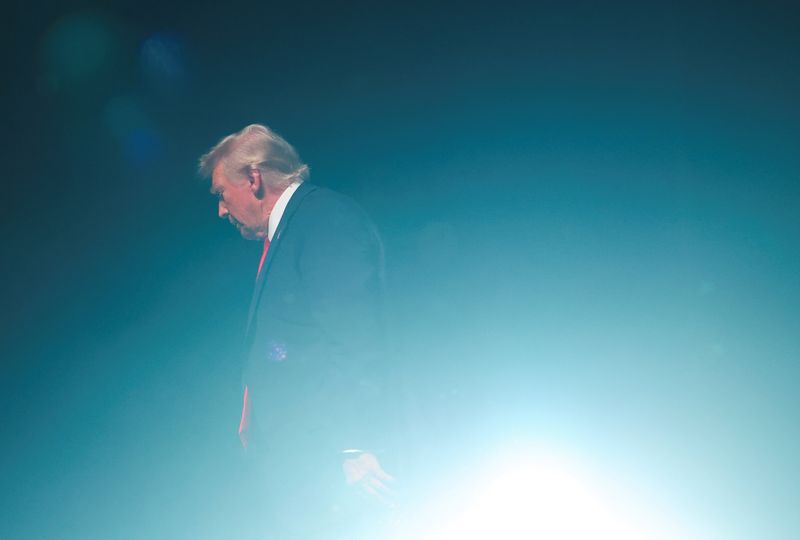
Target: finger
(380, 487)
(372, 492)
(383, 475)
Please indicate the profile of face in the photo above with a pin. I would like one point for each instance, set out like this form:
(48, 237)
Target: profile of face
(240, 202)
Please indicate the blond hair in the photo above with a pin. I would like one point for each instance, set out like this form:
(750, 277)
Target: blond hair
(255, 147)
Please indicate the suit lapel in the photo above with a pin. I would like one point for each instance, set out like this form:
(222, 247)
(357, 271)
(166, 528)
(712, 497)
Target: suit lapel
(302, 190)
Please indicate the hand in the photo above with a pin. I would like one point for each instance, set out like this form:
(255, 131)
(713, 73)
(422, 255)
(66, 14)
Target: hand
(366, 474)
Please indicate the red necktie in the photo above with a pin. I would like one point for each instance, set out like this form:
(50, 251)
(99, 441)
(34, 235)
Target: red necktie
(245, 421)
(263, 256)
(245, 418)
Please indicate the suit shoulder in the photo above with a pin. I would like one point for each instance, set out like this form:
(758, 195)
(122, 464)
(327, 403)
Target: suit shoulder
(324, 203)
(327, 197)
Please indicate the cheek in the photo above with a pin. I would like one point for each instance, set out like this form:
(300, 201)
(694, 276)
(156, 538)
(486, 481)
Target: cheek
(234, 206)
(251, 210)
(242, 208)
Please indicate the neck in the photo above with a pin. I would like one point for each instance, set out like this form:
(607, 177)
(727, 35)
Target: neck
(271, 196)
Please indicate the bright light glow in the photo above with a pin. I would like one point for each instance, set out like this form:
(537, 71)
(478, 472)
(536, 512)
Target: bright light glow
(544, 498)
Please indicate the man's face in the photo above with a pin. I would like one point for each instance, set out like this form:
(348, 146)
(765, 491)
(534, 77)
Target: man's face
(239, 204)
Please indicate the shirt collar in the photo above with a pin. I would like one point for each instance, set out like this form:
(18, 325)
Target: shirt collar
(279, 208)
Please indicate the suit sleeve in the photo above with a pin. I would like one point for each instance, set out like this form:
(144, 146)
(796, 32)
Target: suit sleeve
(340, 266)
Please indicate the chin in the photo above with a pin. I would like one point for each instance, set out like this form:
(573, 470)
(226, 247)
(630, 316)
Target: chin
(250, 234)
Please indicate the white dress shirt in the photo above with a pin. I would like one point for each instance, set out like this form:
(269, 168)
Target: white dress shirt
(279, 208)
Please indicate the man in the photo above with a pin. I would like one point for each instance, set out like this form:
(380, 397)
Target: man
(311, 380)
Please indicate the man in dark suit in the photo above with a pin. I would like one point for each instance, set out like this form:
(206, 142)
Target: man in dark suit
(312, 390)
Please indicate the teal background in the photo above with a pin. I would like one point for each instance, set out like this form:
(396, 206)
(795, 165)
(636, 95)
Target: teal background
(589, 210)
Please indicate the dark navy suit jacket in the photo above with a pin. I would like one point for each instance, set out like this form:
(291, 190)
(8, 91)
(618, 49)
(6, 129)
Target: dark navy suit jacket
(315, 329)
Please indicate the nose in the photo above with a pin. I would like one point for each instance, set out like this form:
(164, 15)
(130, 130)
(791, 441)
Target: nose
(221, 210)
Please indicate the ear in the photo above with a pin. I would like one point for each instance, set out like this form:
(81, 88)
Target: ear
(255, 180)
